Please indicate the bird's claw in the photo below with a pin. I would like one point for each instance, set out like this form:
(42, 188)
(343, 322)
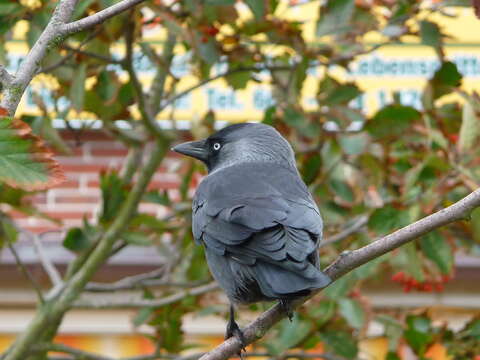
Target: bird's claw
(234, 330)
(286, 306)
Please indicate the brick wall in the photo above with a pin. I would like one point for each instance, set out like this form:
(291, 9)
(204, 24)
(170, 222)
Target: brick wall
(79, 196)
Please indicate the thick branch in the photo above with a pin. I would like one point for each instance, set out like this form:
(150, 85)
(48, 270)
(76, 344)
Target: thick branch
(54, 309)
(98, 17)
(31, 63)
(349, 261)
(5, 77)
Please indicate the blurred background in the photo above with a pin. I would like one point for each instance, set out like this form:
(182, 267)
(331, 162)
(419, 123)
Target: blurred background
(376, 97)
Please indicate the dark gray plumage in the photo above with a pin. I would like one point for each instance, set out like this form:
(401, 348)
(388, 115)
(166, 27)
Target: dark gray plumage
(255, 217)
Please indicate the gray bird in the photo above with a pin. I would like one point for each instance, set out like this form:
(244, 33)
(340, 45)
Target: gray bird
(256, 218)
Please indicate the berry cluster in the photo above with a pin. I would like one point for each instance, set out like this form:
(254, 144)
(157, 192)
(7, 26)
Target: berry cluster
(429, 285)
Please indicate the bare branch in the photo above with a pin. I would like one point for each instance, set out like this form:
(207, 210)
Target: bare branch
(129, 302)
(25, 271)
(127, 282)
(48, 266)
(349, 261)
(98, 17)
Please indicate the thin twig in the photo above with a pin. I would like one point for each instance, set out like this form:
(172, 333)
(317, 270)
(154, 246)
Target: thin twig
(26, 272)
(129, 302)
(48, 266)
(356, 226)
(127, 282)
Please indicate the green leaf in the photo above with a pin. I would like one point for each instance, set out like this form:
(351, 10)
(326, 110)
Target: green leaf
(257, 7)
(136, 238)
(77, 90)
(8, 232)
(323, 312)
(220, 2)
(341, 343)
(352, 312)
(340, 288)
(475, 222)
(392, 120)
(430, 34)
(289, 335)
(437, 249)
(239, 80)
(76, 240)
(335, 17)
(418, 333)
(311, 168)
(469, 136)
(343, 94)
(25, 161)
(114, 192)
(342, 189)
(444, 81)
(299, 121)
(413, 261)
(388, 218)
(143, 315)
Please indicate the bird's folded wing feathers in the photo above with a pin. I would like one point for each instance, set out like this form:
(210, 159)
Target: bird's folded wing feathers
(267, 218)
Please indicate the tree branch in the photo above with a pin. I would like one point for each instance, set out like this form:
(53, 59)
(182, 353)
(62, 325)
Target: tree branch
(48, 266)
(127, 282)
(5, 77)
(49, 37)
(349, 261)
(25, 271)
(129, 302)
(98, 18)
(357, 225)
(54, 308)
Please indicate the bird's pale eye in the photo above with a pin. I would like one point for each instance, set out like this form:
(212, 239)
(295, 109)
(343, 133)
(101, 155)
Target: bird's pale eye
(217, 146)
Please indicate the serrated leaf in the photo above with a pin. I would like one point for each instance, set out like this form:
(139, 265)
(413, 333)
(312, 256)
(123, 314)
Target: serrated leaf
(77, 90)
(311, 168)
(25, 162)
(352, 312)
(437, 249)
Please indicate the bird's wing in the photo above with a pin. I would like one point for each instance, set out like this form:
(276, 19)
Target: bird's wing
(258, 212)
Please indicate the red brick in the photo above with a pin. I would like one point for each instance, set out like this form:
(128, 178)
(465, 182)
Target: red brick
(69, 214)
(68, 184)
(109, 152)
(77, 199)
(83, 168)
(85, 136)
(42, 229)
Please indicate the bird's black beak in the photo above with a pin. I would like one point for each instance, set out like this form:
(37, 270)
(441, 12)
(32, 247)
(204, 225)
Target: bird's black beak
(195, 149)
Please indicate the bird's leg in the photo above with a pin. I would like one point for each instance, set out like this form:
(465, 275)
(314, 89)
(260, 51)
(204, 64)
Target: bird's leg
(234, 330)
(287, 307)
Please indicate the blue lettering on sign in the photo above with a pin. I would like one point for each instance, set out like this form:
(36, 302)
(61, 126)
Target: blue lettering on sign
(262, 99)
(408, 97)
(222, 100)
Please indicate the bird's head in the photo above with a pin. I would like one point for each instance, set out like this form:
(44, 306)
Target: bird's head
(238, 143)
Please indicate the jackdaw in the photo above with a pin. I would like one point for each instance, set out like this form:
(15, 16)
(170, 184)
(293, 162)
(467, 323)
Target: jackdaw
(256, 218)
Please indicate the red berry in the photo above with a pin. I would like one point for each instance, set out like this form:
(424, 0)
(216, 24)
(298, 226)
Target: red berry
(446, 278)
(439, 287)
(427, 286)
(399, 276)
